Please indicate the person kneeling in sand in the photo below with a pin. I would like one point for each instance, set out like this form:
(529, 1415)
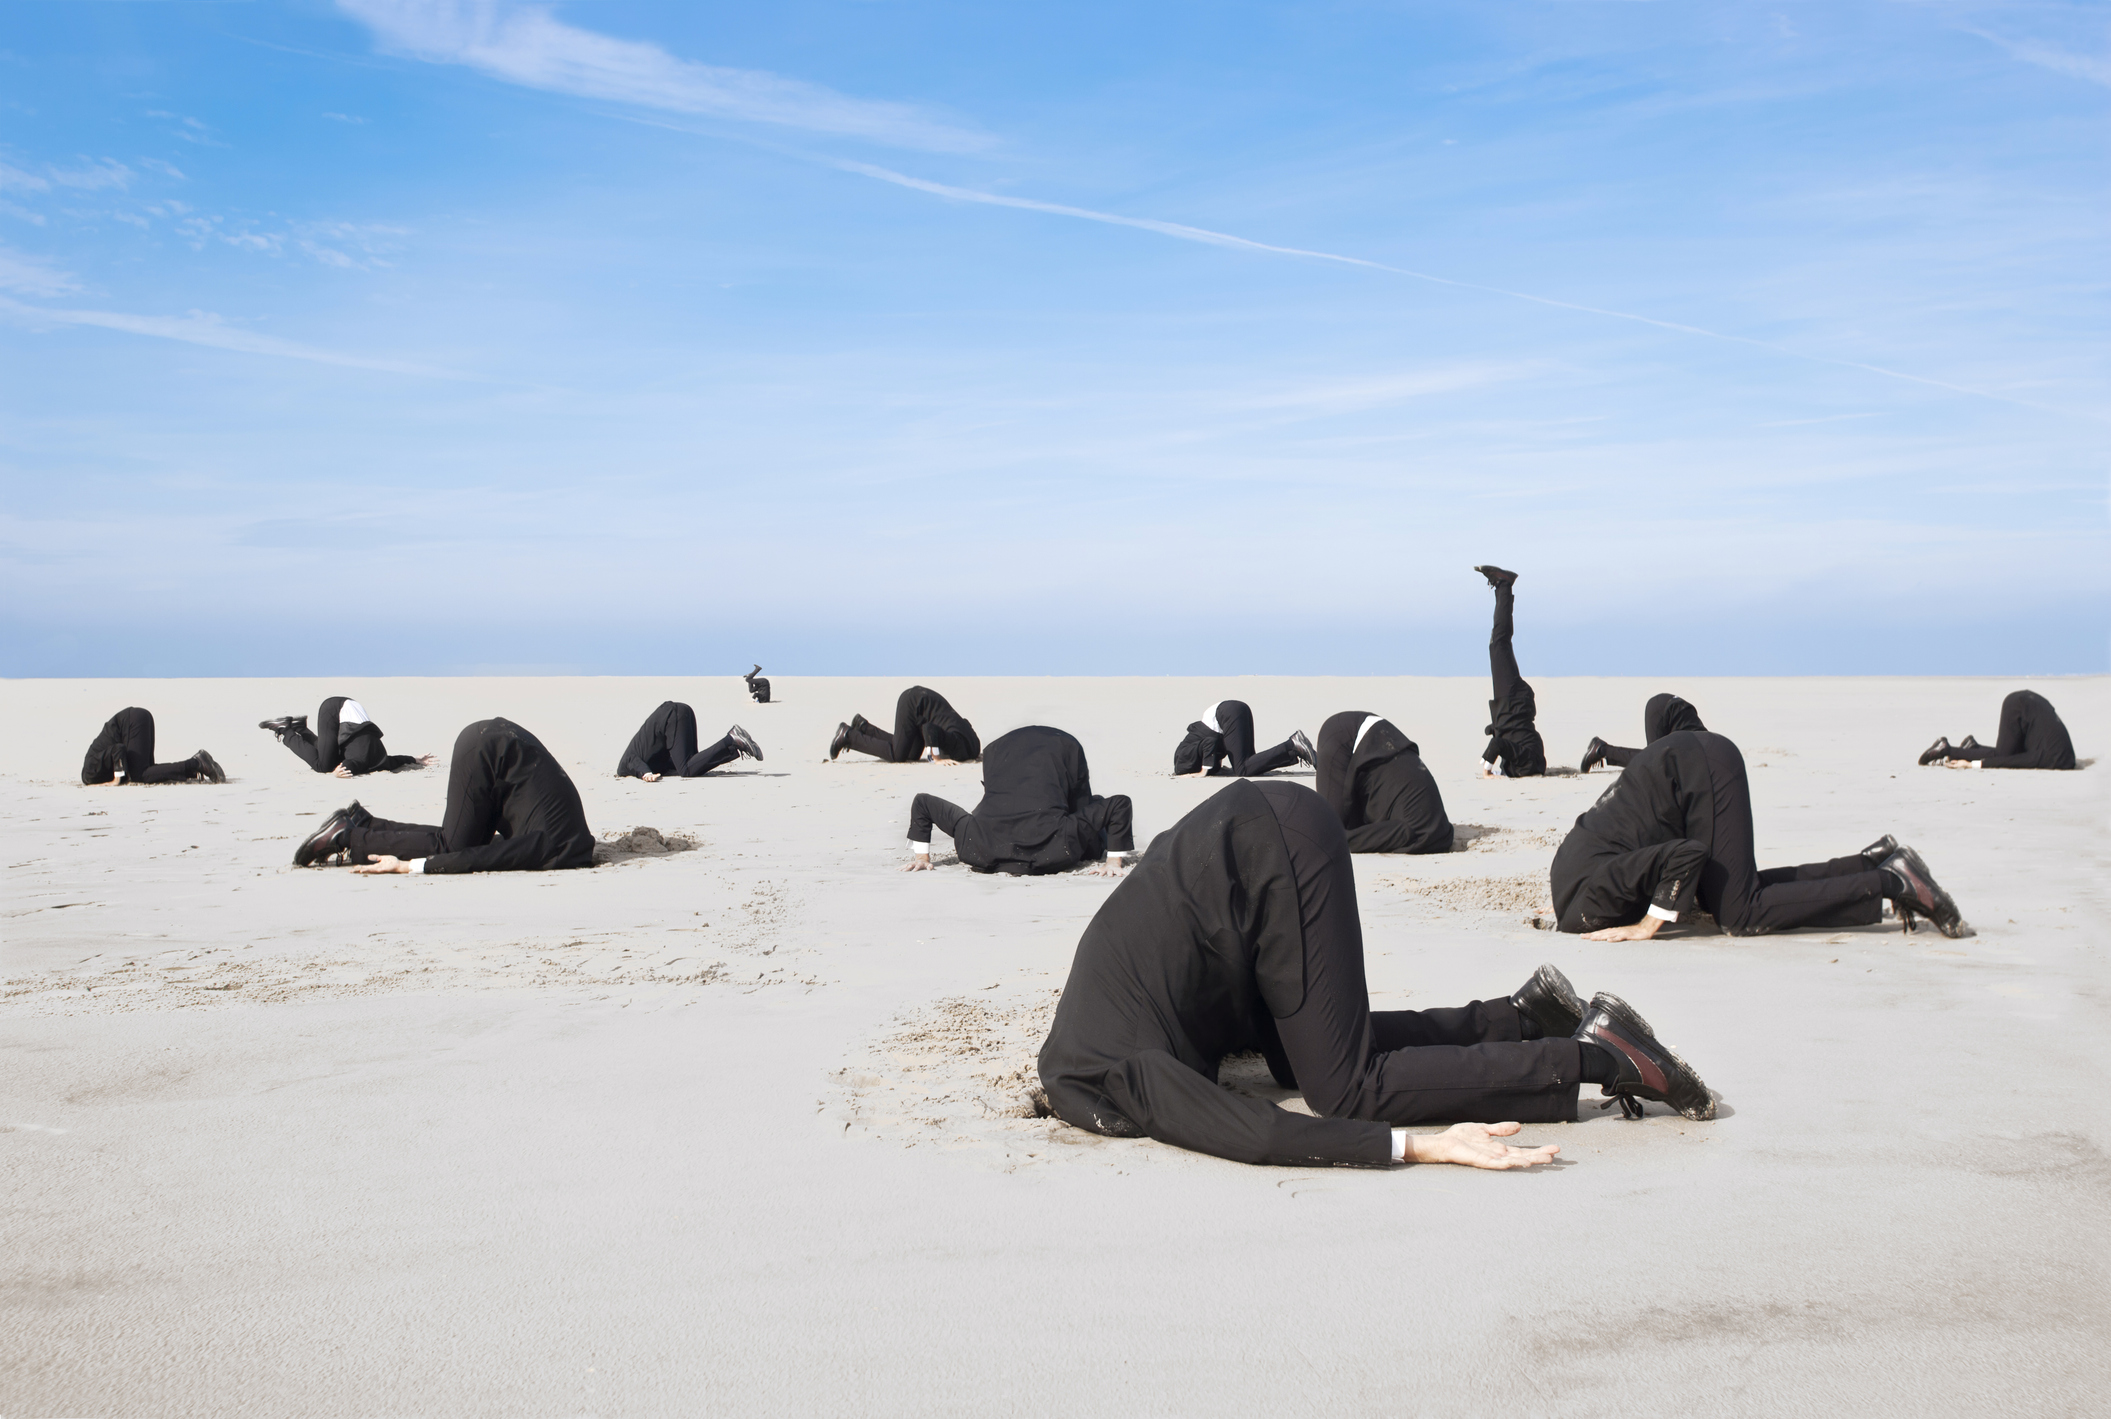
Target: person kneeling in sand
(344, 742)
(1664, 714)
(1374, 779)
(1239, 931)
(1225, 731)
(665, 746)
(1675, 830)
(123, 752)
(2032, 736)
(925, 727)
(511, 807)
(1038, 813)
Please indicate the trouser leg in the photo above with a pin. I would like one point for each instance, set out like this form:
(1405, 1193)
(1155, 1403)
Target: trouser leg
(382, 838)
(328, 753)
(1470, 1069)
(866, 738)
(302, 741)
(1746, 902)
(1235, 726)
(1502, 660)
(681, 738)
(907, 744)
(1267, 761)
(136, 743)
(1113, 818)
(708, 758)
(2014, 735)
(1618, 757)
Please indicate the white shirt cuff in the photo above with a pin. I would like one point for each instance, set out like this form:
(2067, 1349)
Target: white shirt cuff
(1662, 915)
(417, 866)
(1978, 763)
(1399, 1145)
(921, 849)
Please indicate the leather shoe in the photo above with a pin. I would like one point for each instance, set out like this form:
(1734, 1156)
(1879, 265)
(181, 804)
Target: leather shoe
(745, 742)
(1649, 1069)
(1923, 897)
(1551, 1001)
(841, 742)
(283, 723)
(209, 768)
(328, 840)
(1877, 851)
(1593, 756)
(1935, 753)
(1497, 576)
(1302, 747)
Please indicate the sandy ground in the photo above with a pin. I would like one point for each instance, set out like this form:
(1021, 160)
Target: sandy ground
(740, 1129)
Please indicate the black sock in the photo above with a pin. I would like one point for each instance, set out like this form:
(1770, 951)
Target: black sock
(1894, 885)
(1599, 1066)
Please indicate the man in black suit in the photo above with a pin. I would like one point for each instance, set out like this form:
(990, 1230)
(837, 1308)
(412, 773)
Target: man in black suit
(1374, 779)
(1038, 813)
(925, 726)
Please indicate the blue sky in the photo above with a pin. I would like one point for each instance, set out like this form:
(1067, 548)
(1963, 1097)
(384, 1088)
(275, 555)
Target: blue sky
(388, 337)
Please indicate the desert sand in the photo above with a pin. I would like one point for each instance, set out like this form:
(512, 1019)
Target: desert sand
(745, 1128)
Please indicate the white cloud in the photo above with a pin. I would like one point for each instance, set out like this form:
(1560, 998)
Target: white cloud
(345, 117)
(35, 219)
(20, 181)
(94, 174)
(205, 328)
(2095, 68)
(165, 169)
(32, 276)
(528, 45)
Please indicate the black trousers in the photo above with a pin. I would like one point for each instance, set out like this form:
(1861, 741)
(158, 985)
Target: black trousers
(1513, 712)
(1235, 725)
(1845, 891)
(1113, 818)
(1618, 757)
(135, 744)
(911, 710)
(1471, 1064)
(666, 744)
(1502, 659)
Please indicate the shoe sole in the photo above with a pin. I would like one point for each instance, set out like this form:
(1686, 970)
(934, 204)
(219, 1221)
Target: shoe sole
(1681, 1080)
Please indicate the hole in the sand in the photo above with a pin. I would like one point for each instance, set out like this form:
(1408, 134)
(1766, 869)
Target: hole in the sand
(641, 842)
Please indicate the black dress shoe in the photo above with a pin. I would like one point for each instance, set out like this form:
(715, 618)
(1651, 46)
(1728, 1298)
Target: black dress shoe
(283, 723)
(841, 742)
(745, 742)
(1968, 743)
(1649, 1069)
(1593, 756)
(1497, 576)
(326, 841)
(1877, 851)
(1923, 897)
(1936, 752)
(1551, 1001)
(209, 767)
(1302, 747)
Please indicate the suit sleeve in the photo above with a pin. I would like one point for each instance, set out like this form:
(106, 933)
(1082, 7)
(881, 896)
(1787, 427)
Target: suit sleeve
(530, 852)
(1173, 1104)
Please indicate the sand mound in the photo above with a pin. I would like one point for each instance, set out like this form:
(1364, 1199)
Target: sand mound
(641, 842)
(1512, 896)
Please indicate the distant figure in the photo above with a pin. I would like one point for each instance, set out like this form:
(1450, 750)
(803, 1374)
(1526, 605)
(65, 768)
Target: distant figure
(665, 747)
(2031, 737)
(1374, 779)
(511, 807)
(1226, 731)
(758, 688)
(1675, 831)
(124, 753)
(925, 726)
(1239, 931)
(345, 741)
(1664, 714)
(1515, 749)
(1038, 813)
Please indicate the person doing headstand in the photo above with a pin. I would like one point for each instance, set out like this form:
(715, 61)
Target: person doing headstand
(1515, 749)
(1238, 931)
(1038, 813)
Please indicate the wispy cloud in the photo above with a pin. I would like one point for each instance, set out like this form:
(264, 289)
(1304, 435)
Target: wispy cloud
(526, 44)
(1394, 388)
(205, 328)
(32, 275)
(352, 118)
(20, 181)
(2096, 68)
(93, 175)
(1182, 232)
(190, 130)
(165, 169)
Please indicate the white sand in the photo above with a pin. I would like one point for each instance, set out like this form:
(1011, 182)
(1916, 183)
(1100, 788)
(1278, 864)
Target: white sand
(725, 1130)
